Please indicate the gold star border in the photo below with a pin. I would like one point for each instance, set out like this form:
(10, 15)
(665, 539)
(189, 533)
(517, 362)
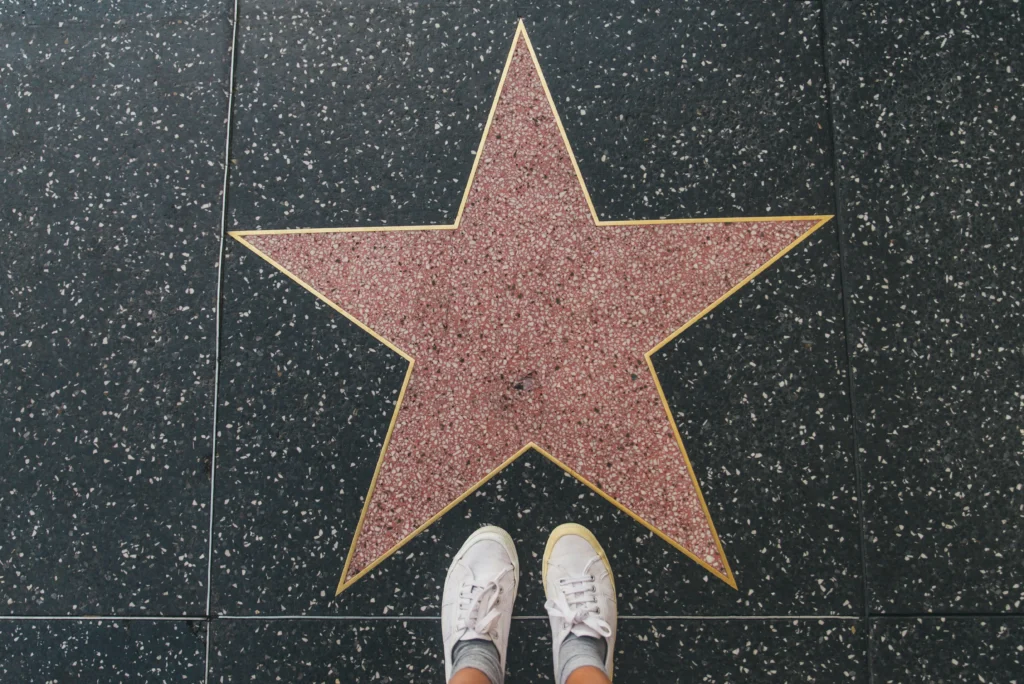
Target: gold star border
(728, 577)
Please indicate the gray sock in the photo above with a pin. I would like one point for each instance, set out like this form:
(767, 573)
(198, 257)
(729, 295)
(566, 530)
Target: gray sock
(480, 655)
(579, 651)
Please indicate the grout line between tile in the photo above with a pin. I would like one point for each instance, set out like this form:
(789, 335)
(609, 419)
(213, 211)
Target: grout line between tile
(335, 618)
(844, 287)
(220, 283)
(217, 325)
(98, 618)
(434, 618)
(749, 618)
(206, 660)
(882, 617)
(428, 618)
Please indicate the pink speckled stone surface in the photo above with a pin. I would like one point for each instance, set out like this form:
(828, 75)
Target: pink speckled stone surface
(529, 324)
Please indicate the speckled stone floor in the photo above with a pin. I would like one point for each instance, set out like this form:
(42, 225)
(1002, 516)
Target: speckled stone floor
(799, 437)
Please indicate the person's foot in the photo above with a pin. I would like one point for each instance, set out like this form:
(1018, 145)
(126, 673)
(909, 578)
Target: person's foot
(476, 610)
(580, 589)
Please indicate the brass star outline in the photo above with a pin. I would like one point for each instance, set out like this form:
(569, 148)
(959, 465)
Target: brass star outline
(728, 577)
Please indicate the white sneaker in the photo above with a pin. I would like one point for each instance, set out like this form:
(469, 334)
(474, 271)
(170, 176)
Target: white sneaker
(479, 592)
(580, 588)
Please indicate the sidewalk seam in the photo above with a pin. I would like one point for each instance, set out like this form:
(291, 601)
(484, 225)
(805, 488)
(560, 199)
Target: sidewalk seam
(844, 287)
(232, 61)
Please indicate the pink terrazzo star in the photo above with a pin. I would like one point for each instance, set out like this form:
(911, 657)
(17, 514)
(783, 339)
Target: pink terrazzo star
(529, 324)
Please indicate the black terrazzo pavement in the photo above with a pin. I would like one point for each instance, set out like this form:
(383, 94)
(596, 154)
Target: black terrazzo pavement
(957, 649)
(110, 139)
(305, 401)
(846, 515)
(396, 95)
(682, 109)
(670, 651)
(102, 650)
(929, 136)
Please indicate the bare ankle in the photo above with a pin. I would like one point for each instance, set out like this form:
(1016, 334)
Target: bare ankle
(587, 675)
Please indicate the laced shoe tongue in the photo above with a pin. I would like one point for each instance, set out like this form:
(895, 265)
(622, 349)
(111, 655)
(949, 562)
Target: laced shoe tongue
(579, 609)
(584, 621)
(482, 613)
(472, 634)
(481, 628)
(583, 629)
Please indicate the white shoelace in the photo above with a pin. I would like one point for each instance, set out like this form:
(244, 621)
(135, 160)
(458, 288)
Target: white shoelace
(578, 605)
(478, 606)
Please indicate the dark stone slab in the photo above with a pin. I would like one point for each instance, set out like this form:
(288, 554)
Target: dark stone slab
(110, 137)
(357, 116)
(758, 388)
(962, 649)
(327, 650)
(361, 115)
(306, 399)
(347, 117)
(684, 651)
(102, 650)
(682, 109)
(929, 142)
(71, 13)
(658, 650)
